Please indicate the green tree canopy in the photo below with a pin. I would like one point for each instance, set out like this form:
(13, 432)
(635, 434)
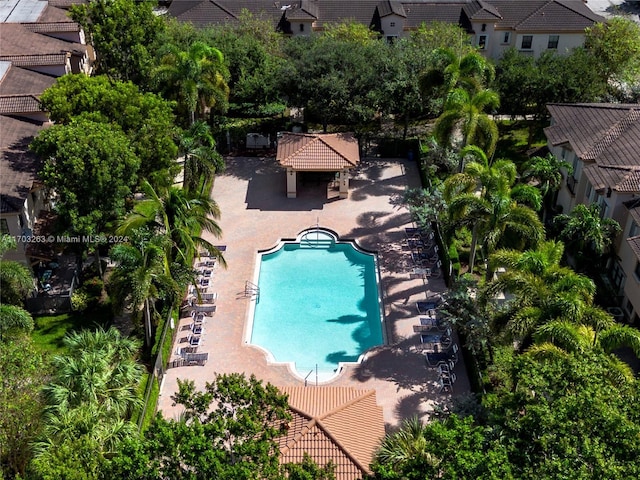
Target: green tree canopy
(125, 35)
(616, 45)
(146, 118)
(236, 439)
(15, 278)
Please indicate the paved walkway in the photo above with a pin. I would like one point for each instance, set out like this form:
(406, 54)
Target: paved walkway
(255, 215)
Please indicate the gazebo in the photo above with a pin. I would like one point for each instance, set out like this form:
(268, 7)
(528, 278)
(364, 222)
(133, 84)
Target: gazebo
(315, 152)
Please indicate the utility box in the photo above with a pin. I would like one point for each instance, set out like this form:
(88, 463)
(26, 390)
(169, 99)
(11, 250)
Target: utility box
(257, 141)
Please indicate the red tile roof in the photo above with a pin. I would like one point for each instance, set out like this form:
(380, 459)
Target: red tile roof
(16, 104)
(339, 424)
(634, 243)
(37, 59)
(318, 152)
(607, 135)
(20, 81)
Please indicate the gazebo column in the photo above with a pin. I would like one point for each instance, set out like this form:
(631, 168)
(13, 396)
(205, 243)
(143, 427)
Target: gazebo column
(291, 183)
(343, 178)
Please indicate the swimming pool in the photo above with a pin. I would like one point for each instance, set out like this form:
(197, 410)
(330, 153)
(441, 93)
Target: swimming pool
(318, 304)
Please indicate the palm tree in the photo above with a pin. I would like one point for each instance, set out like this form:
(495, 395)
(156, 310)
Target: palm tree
(560, 336)
(201, 160)
(142, 277)
(181, 216)
(15, 279)
(93, 391)
(546, 172)
(407, 445)
(542, 291)
(484, 199)
(586, 231)
(465, 121)
(196, 78)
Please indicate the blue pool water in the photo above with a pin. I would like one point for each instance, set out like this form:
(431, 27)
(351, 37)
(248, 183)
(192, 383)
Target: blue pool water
(318, 304)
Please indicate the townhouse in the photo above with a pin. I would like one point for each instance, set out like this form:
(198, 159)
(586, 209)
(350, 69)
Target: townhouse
(602, 142)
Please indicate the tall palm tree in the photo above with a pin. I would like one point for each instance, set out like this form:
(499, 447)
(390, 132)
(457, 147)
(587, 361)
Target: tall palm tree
(464, 120)
(201, 160)
(142, 277)
(181, 216)
(484, 199)
(196, 78)
(546, 172)
(560, 336)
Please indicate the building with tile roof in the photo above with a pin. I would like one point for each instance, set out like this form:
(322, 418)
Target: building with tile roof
(531, 26)
(341, 425)
(38, 43)
(602, 142)
(307, 152)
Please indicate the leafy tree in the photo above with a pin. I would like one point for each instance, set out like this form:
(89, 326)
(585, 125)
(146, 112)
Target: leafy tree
(14, 318)
(350, 32)
(201, 160)
(237, 439)
(253, 54)
(437, 35)
(179, 215)
(125, 35)
(309, 470)
(22, 375)
(196, 78)
(15, 278)
(564, 418)
(92, 169)
(331, 79)
(616, 45)
(586, 232)
(145, 118)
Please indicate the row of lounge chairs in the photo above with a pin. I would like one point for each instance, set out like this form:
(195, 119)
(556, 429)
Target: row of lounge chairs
(424, 253)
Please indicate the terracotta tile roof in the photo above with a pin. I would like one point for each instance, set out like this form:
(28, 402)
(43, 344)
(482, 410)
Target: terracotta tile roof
(301, 10)
(16, 104)
(339, 424)
(20, 81)
(438, 11)
(17, 164)
(318, 152)
(16, 39)
(619, 179)
(52, 14)
(634, 243)
(481, 10)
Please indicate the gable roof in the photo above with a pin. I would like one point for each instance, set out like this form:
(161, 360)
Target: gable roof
(343, 425)
(18, 80)
(545, 15)
(18, 40)
(606, 136)
(318, 152)
(18, 164)
(391, 7)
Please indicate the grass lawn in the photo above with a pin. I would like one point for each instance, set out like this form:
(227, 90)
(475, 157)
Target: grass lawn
(514, 140)
(50, 330)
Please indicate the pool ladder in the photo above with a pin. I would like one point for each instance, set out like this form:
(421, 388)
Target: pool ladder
(251, 289)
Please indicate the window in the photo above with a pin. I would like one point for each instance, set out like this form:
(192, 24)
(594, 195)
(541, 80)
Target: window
(636, 272)
(302, 27)
(392, 24)
(634, 231)
(618, 277)
(553, 42)
(506, 37)
(527, 41)
(484, 27)
(4, 226)
(482, 42)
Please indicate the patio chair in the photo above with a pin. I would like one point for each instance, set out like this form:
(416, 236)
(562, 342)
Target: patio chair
(446, 382)
(196, 328)
(194, 339)
(433, 359)
(428, 304)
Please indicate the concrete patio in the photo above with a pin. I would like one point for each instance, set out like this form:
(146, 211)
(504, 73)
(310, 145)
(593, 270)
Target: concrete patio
(256, 213)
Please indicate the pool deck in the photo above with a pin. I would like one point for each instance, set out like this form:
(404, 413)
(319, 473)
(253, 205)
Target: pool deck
(256, 214)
